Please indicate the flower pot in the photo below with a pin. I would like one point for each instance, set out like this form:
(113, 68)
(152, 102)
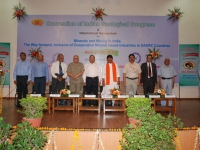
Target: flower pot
(114, 96)
(133, 121)
(64, 95)
(36, 122)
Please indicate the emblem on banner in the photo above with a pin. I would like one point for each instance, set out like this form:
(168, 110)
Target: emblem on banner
(37, 22)
(137, 57)
(2, 63)
(189, 65)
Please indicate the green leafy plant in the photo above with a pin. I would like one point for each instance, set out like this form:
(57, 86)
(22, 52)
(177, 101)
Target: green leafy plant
(153, 132)
(33, 106)
(5, 134)
(28, 137)
(138, 108)
(24, 137)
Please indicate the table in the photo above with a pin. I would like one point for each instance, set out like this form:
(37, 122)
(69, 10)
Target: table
(55, 105)
(165, 108)
(122, 106)
(89, 108)
(49, 102)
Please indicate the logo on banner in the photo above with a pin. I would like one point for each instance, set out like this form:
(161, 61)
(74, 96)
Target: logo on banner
(37, 22)
(189, 65)
(2, 63)
(191, 54)
(137, 57)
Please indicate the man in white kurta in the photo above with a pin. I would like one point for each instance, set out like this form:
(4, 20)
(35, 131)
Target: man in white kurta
(110, 79)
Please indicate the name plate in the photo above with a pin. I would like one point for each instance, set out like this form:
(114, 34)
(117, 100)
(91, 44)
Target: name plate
(74, 95)
(170, 96)
(106, 96)
(139, 96)
(123, 96)
(35, 95)
(94, 96)
(154, 96)
(54, 95)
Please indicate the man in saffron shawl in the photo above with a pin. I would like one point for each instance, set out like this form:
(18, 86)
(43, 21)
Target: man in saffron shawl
(110, 76)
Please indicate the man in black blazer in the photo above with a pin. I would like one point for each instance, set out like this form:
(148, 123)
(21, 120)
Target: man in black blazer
(148, 75)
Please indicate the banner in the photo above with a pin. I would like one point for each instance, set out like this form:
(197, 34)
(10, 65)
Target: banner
(188, 64)
(5, 61)
(81, 35)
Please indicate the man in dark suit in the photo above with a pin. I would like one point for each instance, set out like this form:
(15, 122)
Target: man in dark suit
(148, 75)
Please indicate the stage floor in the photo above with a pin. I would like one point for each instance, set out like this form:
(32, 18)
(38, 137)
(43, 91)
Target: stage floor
(187, 110)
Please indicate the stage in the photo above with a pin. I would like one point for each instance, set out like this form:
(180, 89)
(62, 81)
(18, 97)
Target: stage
(187, 110)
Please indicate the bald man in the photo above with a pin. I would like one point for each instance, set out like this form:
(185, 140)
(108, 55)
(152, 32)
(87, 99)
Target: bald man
(59, 74)
(166, 76)
(40, 75)
(75, 71)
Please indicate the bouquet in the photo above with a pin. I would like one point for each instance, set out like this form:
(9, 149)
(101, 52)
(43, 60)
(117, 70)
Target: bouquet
(115, 92)
(175, 14)
(34, 53)
(19, 12)
(65, 92)
(156, 54)
(159, 92)
(98, 13)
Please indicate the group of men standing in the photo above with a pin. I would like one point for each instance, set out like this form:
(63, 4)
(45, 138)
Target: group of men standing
(92, 76)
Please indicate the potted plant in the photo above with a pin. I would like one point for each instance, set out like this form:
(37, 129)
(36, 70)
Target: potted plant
(152, 132)
(28, 137)
(33, 109)
(5, 134)
(21, 138)
(137, 109)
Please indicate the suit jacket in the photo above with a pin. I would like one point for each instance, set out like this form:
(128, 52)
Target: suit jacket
(144, 74)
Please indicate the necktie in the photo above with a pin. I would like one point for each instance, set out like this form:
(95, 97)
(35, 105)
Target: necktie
(149, 70)
(60, 68)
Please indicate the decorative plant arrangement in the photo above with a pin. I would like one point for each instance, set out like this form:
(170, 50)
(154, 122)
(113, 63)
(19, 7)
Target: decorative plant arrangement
(5, 134)
(65, 92)
(160, 92)
(155, 54)
(175, 14)
(152, 131)
(98, 13)
(23, 137)
(33, 109)
(34, 53)
(115, 92)
(19, 12)
(28, 137)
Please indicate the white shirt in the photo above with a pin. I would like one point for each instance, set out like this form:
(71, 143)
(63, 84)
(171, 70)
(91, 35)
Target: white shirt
(92, 70)
(55, 69)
